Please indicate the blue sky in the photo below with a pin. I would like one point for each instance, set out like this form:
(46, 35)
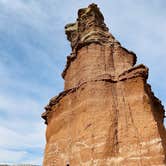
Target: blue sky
(33, 50)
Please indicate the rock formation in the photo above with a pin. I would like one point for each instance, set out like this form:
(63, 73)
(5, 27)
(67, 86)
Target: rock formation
(107, 114)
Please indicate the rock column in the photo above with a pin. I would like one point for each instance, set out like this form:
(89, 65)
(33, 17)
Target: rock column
(107, 114)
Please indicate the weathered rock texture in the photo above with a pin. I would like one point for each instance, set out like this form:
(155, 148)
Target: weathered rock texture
(107, 114)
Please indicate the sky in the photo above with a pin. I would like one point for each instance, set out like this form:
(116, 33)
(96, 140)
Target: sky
(33, 50)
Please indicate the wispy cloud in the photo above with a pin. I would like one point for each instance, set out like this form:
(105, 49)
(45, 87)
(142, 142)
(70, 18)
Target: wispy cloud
(20, 129)
(14, 155)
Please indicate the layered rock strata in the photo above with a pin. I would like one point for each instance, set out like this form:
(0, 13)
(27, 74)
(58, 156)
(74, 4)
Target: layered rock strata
(107, 114)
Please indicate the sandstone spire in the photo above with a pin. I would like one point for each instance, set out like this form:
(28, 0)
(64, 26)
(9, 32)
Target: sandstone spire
(107, 113)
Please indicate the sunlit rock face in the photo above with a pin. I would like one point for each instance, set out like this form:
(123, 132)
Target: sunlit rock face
(107, 114)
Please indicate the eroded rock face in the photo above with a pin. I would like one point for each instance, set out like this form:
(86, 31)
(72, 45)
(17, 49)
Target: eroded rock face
(107, 113)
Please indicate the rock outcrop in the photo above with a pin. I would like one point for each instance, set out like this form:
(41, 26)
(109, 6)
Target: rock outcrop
(107, 113)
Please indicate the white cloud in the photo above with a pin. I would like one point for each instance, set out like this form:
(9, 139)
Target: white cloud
(18, 144)
(14, 156)
(22, 128)
(19, 106)
(16, 140)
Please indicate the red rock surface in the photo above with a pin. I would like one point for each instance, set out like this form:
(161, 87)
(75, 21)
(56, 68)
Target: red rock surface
(107, 114)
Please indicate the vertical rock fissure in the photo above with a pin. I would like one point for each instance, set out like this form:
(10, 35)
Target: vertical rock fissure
(112, 60)
(68, 153)
(104, 55)
(92, 146)
(138, 135)
(113, 130)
